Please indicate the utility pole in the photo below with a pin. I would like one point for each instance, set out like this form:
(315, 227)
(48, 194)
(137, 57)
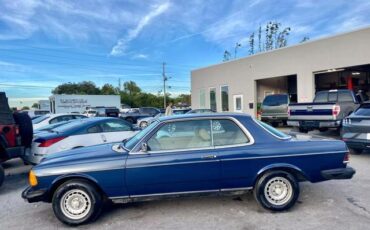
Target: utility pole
(164, 84)
(119, 84)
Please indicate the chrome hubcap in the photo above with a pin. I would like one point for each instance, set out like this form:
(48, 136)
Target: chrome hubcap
(278, 191)
(75, 204)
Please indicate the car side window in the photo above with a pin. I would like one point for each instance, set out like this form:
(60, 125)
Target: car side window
(115, 126)
(181, 135)
(226, 132)
(94, 129)
(60, 119)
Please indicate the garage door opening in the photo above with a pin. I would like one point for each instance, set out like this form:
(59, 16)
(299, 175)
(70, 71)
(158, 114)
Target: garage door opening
(355, 78)
(276, 85)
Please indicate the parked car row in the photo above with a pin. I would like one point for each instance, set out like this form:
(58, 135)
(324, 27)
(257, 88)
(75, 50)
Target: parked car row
(343, 110)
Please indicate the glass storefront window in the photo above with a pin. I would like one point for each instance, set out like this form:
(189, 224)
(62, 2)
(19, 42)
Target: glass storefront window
(225, 98)
(212, 99)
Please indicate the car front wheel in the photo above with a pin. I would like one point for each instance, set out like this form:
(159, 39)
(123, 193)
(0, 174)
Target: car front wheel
(277, 190)
(77, 202)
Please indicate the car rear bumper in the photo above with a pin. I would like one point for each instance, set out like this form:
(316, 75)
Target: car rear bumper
(357, 143)
(275, 118)
(338, 174)
(32, 195)
(315, 124)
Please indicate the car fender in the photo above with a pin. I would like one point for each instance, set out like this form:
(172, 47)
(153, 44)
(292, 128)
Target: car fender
(284, 167)
(63, 178)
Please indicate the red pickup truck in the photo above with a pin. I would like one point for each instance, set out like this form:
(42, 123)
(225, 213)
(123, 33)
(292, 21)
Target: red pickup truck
(15, 133)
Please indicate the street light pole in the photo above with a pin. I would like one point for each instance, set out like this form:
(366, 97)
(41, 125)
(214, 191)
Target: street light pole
(164, 85)
(237, 45)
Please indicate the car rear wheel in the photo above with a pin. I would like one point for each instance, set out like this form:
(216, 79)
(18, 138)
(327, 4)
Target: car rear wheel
(2, 174)
(77, 202)
(276, 190)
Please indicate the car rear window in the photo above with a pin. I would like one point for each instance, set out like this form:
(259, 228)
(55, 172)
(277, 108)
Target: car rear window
(364, 110)
(345, 96)
(272, 130)
(321, 97)
(275, 100)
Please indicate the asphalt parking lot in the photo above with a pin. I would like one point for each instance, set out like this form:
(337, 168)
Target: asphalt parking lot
(329, 205)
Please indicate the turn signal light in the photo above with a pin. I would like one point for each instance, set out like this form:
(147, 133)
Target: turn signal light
(32, 179)
(47, 143)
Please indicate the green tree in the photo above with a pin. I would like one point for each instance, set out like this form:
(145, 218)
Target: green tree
(304, 39)
(84, 87)
(25, 108)
(35, 105)
(108, 89)
(227, 56)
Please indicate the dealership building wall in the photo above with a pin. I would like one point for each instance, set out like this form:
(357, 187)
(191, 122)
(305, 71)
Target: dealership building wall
(302, 61)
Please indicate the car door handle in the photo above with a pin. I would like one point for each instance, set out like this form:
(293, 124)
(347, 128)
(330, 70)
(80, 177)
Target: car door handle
(104, 138)
(209, 157)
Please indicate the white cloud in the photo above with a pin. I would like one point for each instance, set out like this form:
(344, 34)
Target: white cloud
(122, 43)
(140, 56)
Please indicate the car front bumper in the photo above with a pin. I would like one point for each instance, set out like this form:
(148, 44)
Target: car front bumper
(314, 124)
(338, 174)
(32, 195)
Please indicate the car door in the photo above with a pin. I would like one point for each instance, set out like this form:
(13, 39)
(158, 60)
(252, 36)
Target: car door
(116, 130)
(91, 136)
(233, 144)
(180, 158)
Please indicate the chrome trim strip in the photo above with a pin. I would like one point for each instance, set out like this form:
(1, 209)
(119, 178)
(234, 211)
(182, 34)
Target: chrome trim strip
(236, 121)
(182, 193)
(235, 189)
(179, 163)
(286, 155)
(175, 193)
(281, 138)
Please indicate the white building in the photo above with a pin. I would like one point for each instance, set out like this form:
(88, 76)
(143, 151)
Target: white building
(338, 62)
(78, 103)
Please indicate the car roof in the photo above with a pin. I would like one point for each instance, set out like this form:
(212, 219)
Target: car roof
(203, 115)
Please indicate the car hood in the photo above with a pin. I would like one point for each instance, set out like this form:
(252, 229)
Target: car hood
(84, 155)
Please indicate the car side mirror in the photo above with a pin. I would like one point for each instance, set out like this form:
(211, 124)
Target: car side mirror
(144, 147)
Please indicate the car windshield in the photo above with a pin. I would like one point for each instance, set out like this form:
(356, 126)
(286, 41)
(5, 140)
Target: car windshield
(130, 143)
(40, 119)
(275, 100)
(364, 110)
(272, 130)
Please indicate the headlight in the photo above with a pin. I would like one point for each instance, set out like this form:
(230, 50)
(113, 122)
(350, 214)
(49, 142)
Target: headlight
(32, 179)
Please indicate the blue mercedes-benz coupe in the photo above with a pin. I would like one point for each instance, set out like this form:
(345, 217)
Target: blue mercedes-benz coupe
(184, 155)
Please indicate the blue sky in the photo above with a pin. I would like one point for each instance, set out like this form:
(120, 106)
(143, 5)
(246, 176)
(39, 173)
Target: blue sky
(45, 43)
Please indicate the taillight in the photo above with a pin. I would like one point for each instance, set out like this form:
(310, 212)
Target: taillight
(346, 158)
(288, 111)
(17, 130)
(47, 143)
(336, 110)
